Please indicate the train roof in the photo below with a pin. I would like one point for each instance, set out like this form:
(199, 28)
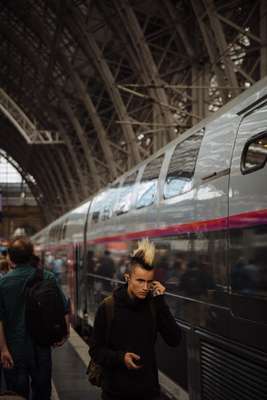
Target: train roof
(239, 105)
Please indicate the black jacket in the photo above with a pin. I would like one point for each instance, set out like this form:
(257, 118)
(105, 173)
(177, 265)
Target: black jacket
(133, 329)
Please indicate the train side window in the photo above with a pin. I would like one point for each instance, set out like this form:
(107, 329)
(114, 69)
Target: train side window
(96, 207)
(76, 221)
(59, 231)
(64, 228)
(148, 185)
(125, 194)
(109, 202)
(254, 155)
(182, 166)
(52, 234)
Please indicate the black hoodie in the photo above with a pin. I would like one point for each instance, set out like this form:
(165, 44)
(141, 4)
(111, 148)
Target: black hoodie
(133, 329)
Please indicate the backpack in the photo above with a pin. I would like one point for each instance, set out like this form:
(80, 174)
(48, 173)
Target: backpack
(94, 370)
(44, 310)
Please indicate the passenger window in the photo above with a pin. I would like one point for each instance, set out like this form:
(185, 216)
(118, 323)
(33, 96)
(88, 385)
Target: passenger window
(60, 231)
(148, 185)
(125, 194)
(182, 166)
(109, 202)
(64, 228)
(254, 156)
(96, 207)
(76, 221)
(52, 234)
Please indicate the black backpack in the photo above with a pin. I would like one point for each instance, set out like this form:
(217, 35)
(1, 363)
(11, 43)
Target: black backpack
(44, 310)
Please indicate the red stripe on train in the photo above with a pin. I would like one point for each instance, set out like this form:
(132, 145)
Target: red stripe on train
(243, 220)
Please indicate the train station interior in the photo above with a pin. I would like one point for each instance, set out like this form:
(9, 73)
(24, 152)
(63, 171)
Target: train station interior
(127, 119)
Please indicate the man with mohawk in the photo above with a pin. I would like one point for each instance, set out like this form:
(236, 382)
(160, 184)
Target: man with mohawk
(127, 353)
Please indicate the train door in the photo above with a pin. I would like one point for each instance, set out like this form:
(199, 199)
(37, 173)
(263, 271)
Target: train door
(210, 310)
(78, 257)
(248, 227)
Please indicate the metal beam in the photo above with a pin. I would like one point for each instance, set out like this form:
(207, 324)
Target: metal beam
(222, 45)
(32, 58)
(172, 16)
(74, 162)
(83, 95)
(60, 177)
(24, 125)
(147, 67)
(210, 45)
(65, 166)
(76, 23)
(98, 125)
(35, 189)
(81, 135)
(48, 163)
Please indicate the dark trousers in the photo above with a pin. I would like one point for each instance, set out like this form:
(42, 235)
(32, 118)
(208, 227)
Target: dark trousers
(34, 373)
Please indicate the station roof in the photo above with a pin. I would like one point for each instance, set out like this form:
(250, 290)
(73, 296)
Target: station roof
(90, 88)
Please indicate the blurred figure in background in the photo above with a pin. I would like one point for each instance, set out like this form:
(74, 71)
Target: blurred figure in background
(91, 264)
(107, 269)
(4, 267)
(106, 266)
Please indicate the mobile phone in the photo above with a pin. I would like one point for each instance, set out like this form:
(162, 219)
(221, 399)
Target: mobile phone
(139, 362)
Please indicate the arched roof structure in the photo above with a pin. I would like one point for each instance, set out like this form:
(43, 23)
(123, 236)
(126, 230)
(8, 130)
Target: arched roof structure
(91, 87)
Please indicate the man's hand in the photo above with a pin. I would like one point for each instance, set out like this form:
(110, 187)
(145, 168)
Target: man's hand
(6, 359)
(129, 361)
(157, 288)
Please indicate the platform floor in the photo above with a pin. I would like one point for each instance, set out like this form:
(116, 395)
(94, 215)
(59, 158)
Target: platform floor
(69, 372)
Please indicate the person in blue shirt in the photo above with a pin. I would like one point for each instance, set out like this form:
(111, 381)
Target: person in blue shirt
(23, 360)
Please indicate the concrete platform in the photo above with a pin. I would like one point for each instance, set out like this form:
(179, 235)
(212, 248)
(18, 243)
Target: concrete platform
(69, 371)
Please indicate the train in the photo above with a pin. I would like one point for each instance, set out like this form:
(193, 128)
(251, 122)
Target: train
(202, 200)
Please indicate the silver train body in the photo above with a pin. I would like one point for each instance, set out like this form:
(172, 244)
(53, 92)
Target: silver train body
(202, 199)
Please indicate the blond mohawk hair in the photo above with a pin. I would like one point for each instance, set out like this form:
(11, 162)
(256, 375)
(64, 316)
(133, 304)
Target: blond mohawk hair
(145, 253)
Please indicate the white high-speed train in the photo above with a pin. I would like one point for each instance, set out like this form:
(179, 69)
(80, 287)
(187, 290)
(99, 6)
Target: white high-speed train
(202, 199)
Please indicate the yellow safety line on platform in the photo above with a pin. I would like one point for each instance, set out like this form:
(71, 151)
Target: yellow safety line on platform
(80, 346)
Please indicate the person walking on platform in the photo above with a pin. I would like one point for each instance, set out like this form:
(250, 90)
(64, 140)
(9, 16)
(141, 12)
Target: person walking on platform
(4, 267)
(127, 353)
(23, 360)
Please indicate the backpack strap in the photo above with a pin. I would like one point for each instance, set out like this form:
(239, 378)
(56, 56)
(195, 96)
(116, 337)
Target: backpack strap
(36, 276)
(109, 308)
(154, 316)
